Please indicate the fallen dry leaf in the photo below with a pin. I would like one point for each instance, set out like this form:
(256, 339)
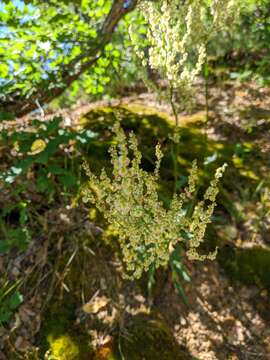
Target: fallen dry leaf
(94, 306)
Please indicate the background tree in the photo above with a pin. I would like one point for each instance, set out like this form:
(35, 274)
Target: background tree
(46, 46)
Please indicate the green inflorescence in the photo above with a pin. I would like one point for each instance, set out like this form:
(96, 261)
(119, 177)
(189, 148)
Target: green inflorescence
(178, 33)
(148, 232)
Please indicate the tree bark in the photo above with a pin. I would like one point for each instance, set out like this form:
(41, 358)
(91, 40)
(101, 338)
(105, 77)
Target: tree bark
(45, 93)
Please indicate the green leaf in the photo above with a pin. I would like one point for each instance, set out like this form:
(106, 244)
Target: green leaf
(81, 139)
(4, 247)
(53, 125)
(68, 180)
(15, 300)
(23, 216)
(5, 316)
(50, 149)
(16, 170)
(182, 273)
(151, 279)
(179, 288)
(44, 184)
(4, 70)
(6, 116)
(9, 179)
(57, 170)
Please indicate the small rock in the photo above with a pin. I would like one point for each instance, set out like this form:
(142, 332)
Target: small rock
(140, 298)
(183, 321)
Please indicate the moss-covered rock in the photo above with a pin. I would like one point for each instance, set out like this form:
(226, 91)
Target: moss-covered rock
(250, 266)
(145, 337)
(149, 338)
(246, 163)
(65, 347)
(59, 337)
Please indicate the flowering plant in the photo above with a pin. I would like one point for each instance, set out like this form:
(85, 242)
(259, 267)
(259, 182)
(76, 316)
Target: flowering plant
(148, 232)
(178, 33)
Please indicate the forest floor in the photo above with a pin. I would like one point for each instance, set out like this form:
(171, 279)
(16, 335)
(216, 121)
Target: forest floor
(225, 318)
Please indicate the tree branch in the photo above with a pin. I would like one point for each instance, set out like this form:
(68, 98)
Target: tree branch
(44, 94)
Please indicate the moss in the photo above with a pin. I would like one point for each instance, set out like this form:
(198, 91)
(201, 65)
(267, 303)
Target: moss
(250, 266)
(256, 113)
(152, 127)
(59, 336)
(64, 347)
(147, 337)
(139, 109)
(197, 119)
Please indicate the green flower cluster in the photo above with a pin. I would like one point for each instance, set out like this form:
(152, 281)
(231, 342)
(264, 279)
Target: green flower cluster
(129, 202)
(178, 32)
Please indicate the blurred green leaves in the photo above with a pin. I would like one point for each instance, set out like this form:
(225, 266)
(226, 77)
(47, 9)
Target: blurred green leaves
(40, 147)
(39, 39)
(10, 299)
(43, 161)
(19, 236)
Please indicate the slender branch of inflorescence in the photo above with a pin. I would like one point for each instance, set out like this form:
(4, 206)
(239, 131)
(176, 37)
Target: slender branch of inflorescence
(129, 201)
(178, 32)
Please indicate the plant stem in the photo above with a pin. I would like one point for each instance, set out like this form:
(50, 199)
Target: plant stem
(174, 149)
(174, 153)
(206, 94)
(173, 106)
